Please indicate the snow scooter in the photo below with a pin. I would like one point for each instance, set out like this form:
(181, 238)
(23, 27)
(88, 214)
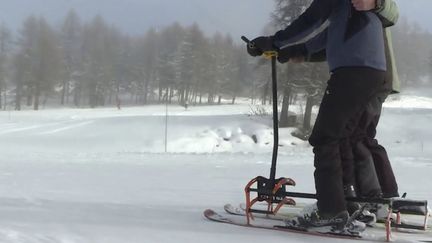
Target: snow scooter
(273, 191)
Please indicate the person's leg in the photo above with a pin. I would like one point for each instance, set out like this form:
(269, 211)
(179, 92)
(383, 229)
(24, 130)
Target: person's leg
(348, 91)
(367, 183)
(347, 159)
(359, 176)
(366, 177)
(347, 156)
(381, 160)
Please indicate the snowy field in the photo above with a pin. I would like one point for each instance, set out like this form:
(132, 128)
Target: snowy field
(103, 176)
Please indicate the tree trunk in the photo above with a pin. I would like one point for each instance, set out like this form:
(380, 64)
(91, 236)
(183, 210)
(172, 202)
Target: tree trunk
(181, 96)
(265, 93)
(18, 93)
(194, 97)
(64, 91)
(67, 94)
(5, 97)
(118, 101)
(160, 93)
(36, 98)
(209, 98)
(187, 92)
(171, 95)
(77, 94)
(284, 121)
(145, 91)
(29, 96)
(166, 95)
(308, 113)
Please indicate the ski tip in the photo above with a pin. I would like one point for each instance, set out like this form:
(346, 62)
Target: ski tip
(208, 213)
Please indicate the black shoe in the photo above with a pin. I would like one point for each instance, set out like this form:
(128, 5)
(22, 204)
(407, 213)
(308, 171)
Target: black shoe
(353, 207)
(361, 213)
(367, 218)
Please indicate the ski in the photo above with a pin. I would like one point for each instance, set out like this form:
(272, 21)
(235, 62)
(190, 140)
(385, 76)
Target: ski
(371, 234)
(290, 212)
(275, 225)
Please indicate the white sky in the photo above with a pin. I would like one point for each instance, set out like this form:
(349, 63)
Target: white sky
(418, 11)
(239, 17)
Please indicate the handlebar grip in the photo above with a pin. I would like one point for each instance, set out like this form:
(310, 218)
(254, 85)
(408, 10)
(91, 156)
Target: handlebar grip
(245, 39)
(248, 42)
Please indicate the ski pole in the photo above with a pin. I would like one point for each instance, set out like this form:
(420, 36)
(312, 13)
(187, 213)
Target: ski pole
(271, 55)
(275, 119)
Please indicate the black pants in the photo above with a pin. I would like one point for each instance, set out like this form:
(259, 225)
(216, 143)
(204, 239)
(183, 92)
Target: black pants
(357, 160)
(366, 137)
(348, 92)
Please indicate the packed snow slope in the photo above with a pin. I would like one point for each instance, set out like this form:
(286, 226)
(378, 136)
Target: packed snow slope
(103, 176)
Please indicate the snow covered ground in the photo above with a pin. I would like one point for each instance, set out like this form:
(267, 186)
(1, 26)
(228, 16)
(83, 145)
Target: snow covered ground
(103, 176)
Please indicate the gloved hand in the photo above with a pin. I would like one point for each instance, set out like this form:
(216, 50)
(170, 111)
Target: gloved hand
(260, 45)
(290, 52)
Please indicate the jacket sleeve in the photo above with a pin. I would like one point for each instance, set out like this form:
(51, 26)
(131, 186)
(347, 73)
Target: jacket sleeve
(318, 42)
(313, 17)
(388, 13)
(320, 56)
(316, 48)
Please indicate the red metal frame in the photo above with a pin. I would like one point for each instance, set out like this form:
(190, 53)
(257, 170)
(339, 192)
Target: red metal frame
(388, 223)
(271, 210)
(281, 184)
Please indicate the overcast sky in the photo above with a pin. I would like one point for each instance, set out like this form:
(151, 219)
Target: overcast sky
(237, 17)
(136, 16)
(418, 11)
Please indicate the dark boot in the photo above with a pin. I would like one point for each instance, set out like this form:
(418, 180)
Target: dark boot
(356, 210)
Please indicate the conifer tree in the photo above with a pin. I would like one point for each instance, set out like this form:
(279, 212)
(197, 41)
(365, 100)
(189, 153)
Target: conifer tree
(5, 47)
(71, 41)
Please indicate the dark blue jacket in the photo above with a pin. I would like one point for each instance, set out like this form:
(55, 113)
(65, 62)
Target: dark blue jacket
(351, 39)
